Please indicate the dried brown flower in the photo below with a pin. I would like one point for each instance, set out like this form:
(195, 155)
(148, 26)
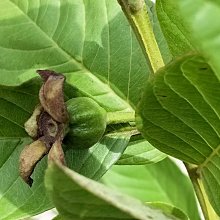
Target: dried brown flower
(46, 125)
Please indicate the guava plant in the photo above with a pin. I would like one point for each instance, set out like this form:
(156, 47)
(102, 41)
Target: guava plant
(94, 98)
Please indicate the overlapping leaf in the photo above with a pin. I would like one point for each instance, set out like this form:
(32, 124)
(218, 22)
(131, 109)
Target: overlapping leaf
(176, 32)
(77, 197)
(140, 152)
(162, 182)
(179, 114)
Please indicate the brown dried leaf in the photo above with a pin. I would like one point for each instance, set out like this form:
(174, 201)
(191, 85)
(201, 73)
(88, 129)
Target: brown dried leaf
(52, 98)
(29, 157)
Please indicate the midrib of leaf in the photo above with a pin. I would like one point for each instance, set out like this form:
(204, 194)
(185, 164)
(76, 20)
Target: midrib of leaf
(215, 151)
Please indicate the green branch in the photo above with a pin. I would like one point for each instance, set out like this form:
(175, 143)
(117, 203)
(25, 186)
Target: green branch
(137, 15)
(120, 117)
(208, 211)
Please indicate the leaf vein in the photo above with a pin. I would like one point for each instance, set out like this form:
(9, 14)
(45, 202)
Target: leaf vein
(209, 158)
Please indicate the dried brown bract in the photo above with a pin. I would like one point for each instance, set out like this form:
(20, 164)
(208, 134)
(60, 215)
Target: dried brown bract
(51, 96)
(31, 125)
(46, 125)
(56, 153)
(29, 158)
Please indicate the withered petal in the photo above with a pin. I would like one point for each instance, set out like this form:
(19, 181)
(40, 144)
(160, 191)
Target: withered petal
(46, 73)
(47, 127)
(56, 153)
(29, 158)
(31, 125)
(52, 98)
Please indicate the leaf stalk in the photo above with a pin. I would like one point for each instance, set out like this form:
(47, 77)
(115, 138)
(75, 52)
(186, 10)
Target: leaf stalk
(120, 117)
(137, 15)
(208, 211)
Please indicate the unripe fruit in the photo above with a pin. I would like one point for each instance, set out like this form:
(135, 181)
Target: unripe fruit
(87, 122)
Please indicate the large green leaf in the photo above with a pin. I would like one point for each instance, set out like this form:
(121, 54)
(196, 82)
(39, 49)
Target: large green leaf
(77, 197)
(180, 115)
(176, 32)
(162, 182)
(71, 37)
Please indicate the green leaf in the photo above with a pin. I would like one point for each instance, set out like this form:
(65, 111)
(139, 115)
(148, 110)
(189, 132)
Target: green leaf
(77, 197)
(140, 152)
(176, 32)
(95, 161)
(71, 37)
(162, 182)
(17, 104)
(179, 114)
(169, 209)
(201, 15)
